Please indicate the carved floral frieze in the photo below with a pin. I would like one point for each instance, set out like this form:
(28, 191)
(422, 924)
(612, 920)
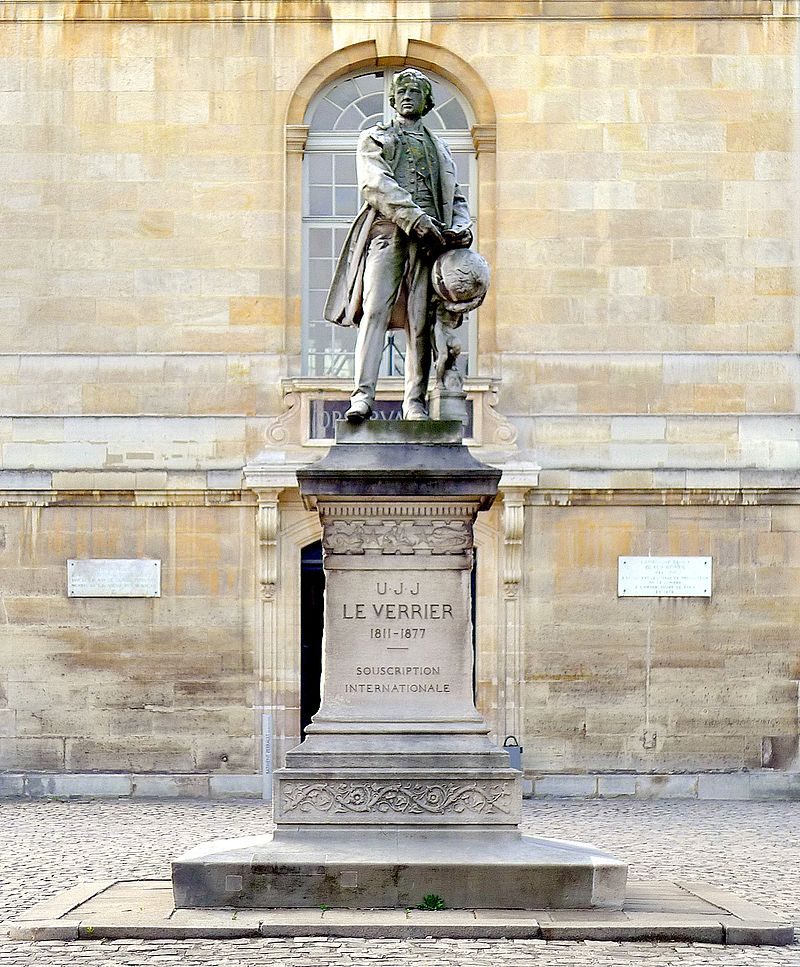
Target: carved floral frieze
(397, 536)
(397, 798)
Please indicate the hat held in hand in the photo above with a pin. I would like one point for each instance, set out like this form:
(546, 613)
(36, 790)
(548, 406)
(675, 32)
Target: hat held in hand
(460, 278)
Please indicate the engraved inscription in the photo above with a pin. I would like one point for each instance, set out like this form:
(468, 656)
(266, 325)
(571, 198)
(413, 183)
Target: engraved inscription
(391, 674)
(114, 578)
(383, 587)
(389, 621)
(386, 634)
(403, 798)
(669, 577)
(397, 638)
(393, 611)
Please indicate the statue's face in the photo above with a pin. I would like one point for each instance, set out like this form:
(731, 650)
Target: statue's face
(409, 98)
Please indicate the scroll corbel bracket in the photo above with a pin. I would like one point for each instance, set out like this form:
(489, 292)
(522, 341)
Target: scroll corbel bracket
(497, 429)
(513, 531)
(285, 428)
(268, 517)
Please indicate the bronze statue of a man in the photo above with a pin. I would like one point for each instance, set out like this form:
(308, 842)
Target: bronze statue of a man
(413, 211)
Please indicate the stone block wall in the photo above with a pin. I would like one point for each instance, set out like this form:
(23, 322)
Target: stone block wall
(658, 684)
(638, 200)
(647, 242)
(644, 213)
(134, 685)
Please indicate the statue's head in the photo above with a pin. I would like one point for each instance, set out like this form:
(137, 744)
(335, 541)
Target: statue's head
(408, 81)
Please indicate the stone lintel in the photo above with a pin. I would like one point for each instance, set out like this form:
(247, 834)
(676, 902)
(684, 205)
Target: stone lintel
(339, 11)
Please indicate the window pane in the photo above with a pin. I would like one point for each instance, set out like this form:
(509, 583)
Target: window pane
(346, 201)
(452, 115)
(463, 160)
(320, 201)
(343, 93)
(440, 92)
(350, 119)
(320, 169)
(343, 338)
(371, 121)
(372, 104)
(345, 168)
(316, 305)
(325, 116)
(319, 243)
(329, 349)
(319, 273)
(370, 83)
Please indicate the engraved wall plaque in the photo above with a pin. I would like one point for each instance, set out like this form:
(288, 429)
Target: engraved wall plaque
(664, 577)
(114, 578)
(325, 413)
(266, 756)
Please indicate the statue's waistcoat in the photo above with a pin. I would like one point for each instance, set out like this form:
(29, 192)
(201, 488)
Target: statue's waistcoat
(416, 168)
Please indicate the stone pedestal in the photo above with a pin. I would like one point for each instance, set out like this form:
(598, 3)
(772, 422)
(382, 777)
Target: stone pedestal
(397, 738)
(448, 404)
(397, 790)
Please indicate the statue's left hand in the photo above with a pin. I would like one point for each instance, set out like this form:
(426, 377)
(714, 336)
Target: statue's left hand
(457, 239)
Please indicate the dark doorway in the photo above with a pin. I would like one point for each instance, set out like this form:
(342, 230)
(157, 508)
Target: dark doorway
(312, 622)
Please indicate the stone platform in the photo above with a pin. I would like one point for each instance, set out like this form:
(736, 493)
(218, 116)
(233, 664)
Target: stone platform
(655, 910)
(395, 868)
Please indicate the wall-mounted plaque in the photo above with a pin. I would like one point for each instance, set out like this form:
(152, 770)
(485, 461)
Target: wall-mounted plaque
(664, 577)
(114, 578)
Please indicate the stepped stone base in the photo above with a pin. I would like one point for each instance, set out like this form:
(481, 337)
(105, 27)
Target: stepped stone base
(417, 780)
(397, 792)
(654, 910)
(396, 867)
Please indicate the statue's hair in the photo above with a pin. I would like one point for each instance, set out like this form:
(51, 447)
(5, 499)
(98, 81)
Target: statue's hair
(424, 81)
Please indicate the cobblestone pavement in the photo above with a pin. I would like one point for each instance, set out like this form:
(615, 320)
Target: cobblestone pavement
(752, 849)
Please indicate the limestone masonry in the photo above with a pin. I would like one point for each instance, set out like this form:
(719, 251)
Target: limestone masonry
(172, 188)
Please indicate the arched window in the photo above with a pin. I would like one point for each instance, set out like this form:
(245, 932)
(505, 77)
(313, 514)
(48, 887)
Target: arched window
(331, 199)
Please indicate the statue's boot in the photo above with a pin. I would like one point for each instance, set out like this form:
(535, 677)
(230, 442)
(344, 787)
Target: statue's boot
(415, 411)
(359, 411)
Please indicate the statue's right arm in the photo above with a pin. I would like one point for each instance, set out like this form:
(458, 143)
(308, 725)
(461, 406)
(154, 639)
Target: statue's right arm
(379, 187)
